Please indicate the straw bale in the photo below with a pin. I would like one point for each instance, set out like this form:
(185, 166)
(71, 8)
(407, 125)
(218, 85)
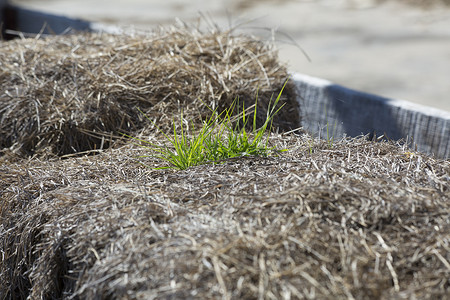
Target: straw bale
(75, 93)
(352, 219)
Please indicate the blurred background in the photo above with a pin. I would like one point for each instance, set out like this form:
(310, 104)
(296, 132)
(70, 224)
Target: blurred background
(393, 48)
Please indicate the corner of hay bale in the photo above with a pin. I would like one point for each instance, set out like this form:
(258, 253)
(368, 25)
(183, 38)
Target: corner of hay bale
(69, 94)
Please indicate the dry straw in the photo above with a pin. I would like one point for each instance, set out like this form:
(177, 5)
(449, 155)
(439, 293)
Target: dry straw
(362, 220)
(351, 219)
(67, 94)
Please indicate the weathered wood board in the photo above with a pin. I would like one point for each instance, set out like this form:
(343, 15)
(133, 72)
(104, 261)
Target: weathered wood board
(346, 111)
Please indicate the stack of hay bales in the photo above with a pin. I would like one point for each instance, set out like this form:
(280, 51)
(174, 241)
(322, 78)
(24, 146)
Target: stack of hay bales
(328, 219)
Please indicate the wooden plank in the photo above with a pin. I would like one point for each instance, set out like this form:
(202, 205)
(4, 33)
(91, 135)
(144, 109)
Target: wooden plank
(2, 6)
(344, 111)
(30, 21)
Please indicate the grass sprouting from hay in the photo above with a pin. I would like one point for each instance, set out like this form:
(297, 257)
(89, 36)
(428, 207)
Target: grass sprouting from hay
(55, 104)
(358, 220)
(218, 139)
(341, 223)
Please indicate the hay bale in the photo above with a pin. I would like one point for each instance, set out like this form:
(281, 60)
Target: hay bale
(69, 94)
(354, 220)
(350, 219)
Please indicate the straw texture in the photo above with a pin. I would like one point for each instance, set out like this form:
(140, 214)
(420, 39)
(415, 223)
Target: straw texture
(343, 219)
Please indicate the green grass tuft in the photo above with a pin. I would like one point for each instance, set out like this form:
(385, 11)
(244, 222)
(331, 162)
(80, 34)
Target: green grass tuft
(217, 139)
